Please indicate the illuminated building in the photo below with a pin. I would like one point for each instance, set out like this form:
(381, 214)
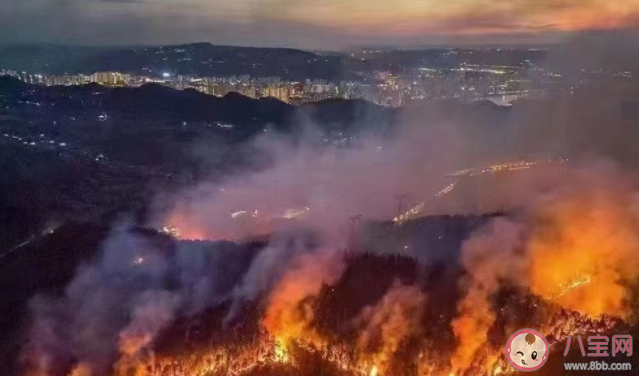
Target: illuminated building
(280, 92)
(108, 78)
(297, 90)
(64, 80)
(248, 91)
(220, 89)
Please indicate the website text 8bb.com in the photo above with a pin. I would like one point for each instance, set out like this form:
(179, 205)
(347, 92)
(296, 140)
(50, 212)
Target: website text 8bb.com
(598, 366)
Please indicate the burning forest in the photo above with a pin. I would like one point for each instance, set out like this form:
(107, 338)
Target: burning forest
(378, 260)
(295, 303)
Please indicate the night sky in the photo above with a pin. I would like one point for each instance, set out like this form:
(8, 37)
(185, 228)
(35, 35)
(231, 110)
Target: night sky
(310, 24)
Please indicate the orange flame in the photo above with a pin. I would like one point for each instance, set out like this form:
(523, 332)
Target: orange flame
(488, 257)
(583, 250)
(289, 315)
(577, 248)
(389, 323)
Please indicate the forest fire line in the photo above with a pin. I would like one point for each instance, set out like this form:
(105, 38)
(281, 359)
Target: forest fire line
(267, 351)
(348, 358)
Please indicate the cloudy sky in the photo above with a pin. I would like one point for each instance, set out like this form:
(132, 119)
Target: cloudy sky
(309, 24)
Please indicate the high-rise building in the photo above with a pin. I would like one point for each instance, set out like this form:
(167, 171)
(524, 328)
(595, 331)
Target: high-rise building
(280, 92)
(210, 88)
(297, 90)
(248, 91)
(221, 89)
(26, 77)
(108, 78)
(65, 80)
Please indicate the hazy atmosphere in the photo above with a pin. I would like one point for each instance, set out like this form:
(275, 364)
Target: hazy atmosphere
(309, 24)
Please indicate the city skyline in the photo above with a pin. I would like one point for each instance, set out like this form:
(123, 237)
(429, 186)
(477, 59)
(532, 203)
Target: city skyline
(310, 24)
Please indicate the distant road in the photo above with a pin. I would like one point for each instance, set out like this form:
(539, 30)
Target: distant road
(416, 210)
(31, 239)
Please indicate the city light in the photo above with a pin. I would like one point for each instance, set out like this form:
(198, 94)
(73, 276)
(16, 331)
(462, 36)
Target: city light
(500, 84)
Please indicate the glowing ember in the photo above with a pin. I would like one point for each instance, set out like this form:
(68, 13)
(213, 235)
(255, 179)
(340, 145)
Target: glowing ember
(576, 283)
(181, 227)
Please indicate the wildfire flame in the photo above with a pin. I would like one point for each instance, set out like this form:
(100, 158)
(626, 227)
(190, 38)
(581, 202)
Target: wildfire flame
(573, 252)
(576, 249)
(389, 323)
(280, 352)
(583, 251)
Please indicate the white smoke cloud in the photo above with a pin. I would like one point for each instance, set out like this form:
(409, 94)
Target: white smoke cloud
(116, 305)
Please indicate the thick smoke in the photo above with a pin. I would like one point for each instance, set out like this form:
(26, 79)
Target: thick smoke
(115, 306)
(286, 254)
(576, 247)
(320, 186)
(99, 301)
(153, 312)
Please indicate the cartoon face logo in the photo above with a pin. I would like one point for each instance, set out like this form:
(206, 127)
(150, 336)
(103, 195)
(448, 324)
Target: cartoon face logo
(527, 350)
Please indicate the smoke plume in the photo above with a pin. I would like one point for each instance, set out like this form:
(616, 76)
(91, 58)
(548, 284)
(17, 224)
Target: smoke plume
(116, 305)
(576, 247)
